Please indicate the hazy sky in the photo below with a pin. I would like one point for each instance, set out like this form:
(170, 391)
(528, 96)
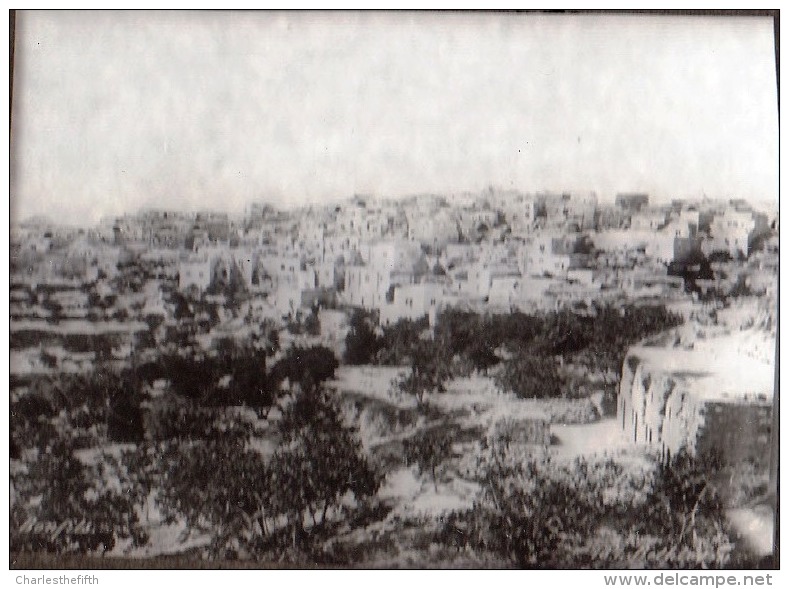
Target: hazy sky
(115, 111)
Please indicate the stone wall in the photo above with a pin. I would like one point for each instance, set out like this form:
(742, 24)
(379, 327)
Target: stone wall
(740, 431)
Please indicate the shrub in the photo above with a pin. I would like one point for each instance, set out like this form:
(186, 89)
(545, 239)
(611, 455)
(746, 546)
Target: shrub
(124, 416)
(171, 418)
(312, 324)
(306, 366)
(428, 449)
(537, 514)
(482, 356)
(399, 340)
(63, 505)
(361, 343)
(530, 377)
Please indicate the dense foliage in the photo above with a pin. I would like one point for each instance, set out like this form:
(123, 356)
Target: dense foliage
(306, 367)
(538, 514)
(218, 486)
(429, 371)
(361, 343)
(260, 458)
(257, 505)
(398, 341)
(67, 504)
(317, 463)
(530, 377)
(189, 447)
(519, 342)
(428, 449)
(235, 374)
(100, 406)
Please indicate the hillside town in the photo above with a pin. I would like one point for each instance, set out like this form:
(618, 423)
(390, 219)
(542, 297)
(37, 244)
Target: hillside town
(491, 252)
(689, 286)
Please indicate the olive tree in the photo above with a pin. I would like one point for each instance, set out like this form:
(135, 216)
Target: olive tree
(318, 463)
(429, 372)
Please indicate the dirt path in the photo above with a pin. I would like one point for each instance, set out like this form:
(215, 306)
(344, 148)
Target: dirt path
(599, 438)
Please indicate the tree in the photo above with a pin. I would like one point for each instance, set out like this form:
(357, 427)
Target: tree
(31, 416)
(317, 463)
(525, 510)
(564, 333)
(741, 288)
(145, 340)
(48, 360)
(190, 377)
(684, 498)
(171, 417)
(312, 323)
(459, 329)
(307, 367)
(182, 309)
(14, 450)
(268, 337)
(55, 310)
(538, 514)
(482, 355)
(719, 256)
(250, 385)
(614, 330)
(604, 359)
(530, 376)
(248, 382)
(294, 324)
(65, 505)
(90, 406)
(429, 371)
(361, 342)
(677, 523)
(220, 487)
(154, 321)
(124, 415)
(121, 314)
(514, 329)
(235, 374)
(399, 339)
(428, 449)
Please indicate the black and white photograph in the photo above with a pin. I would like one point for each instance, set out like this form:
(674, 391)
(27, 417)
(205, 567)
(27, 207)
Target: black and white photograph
(393, 290)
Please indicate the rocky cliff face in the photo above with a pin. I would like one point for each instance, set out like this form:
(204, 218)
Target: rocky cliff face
(701, 389)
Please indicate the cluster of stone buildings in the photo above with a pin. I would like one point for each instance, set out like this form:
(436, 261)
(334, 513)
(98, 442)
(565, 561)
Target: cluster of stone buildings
(401, 259)
(407, 258)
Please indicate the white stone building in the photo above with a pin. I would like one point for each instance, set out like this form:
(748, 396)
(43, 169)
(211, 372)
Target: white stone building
(195, 272)
(413, 301)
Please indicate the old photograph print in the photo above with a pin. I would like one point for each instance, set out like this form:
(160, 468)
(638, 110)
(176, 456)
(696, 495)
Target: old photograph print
(393, 290)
